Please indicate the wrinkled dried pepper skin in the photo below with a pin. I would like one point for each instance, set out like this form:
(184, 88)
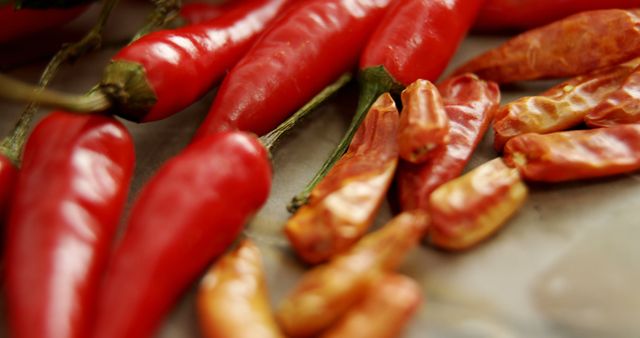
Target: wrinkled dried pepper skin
(344, 204)
(189, 213)
(469, 209)
(620, 107)
(232, 298)
(329, 290)
(68, 199)
(293, 61)
(574, 155)
(561, 107)
(565, 48)
(383, 313)
(424, 125)
(470, 104)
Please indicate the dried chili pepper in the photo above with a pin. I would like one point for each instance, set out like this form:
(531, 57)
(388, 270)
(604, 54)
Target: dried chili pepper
(622, 106)
(574, 155)
(383, 313)
(343, 206)
(233, 299)
(568, 47)
(526, 14)
(293, 61)
(405, 47)
(470, 104)
(68, 199)
(467, 210)
(16, 24)
(328, 291)
(424, 125)
(561, 107)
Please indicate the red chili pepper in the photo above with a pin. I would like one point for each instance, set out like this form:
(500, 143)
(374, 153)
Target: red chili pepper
(8, 176)
(622, 106)
(68, 199)
(470, 104)
(308, 48)
(525, 14)
(15, 24)
(199, 12)
(187, 215)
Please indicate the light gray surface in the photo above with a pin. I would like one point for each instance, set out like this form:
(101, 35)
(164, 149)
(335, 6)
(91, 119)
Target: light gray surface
(567, 265)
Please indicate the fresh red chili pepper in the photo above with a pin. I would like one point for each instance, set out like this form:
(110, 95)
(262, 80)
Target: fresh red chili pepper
(308, 48)
(470, 104)
(8, 176)
(526, 14)
(574, 155)
(68, 199)
(620, 107)
(569, 47)
(15, 24)
(187, 215)
(199, 12)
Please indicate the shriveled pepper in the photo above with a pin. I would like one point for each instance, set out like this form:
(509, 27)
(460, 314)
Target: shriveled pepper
(344, 205)
(233, 299)
(561, 107)
(621, 106)
(68, 199)
(470, 104)
(574, 155)
(469, 209)
(424, 125)
(328, 291)
(569, 47)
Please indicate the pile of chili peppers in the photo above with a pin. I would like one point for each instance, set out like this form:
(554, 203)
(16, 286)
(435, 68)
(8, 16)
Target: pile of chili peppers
(66, 275)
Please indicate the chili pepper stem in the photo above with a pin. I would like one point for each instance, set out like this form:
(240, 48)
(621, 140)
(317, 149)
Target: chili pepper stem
(271, 139)
(164, 11)
(374, 81)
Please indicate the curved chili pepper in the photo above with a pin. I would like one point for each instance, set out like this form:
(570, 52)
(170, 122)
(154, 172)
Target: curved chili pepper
(561, 107)
(574, 155)
(470, 104)
(15, 24)
(622, 106)
(199, 12)
(568, 47)
(470, 208)
(68, 199)
(233, 299)
(188, 214)
(526, 14)
(343, 206)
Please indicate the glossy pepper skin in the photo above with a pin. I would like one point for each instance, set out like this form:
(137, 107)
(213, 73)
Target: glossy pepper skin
(470, 104)
(568, 47)
(525, 14)
(309, 47)
(166, 71)
(16, 24)
(198, 12)
(188, 214)
(622, 106)
(8, 177)
(417, 38)
(68, 199)
(343, 206)
(574, 155)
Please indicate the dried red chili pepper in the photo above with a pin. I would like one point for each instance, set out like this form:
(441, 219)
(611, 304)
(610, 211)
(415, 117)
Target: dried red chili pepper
(574, 155)
(424, 125)
(343, 206)
(405, 47)
(526, 14)
(16, 24)
(622, 106)
(68, 199)
(568, 47)
(294, 60)
(468, 209)
(233, 299)
(328, 291)
(470, 104)
(561, 107)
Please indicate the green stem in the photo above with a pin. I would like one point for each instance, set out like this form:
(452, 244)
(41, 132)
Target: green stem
(374, 81)
(164, 11)
(271, 139)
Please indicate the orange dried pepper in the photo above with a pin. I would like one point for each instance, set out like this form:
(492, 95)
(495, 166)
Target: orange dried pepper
(467, 210)
(577, 154)
(328, 291)
(470, 104)
(383, 313)
(344, 204)
(562, 106)
(424, 125)
(575, 45)
(232, 298)
(620, 107)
